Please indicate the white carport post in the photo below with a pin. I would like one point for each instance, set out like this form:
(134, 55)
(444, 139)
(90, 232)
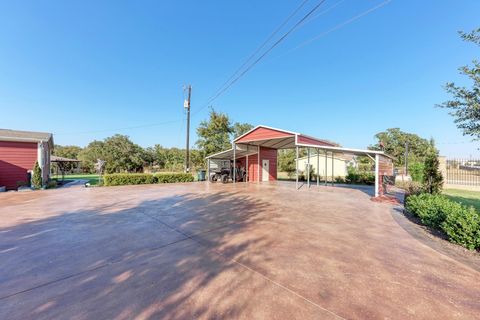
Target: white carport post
(326, 167)
(258, 167)
(234, 164)
(318, 167)
(246, 165)
(208, 169)
(377, 183)
(296, 170)
(333, 169)
(308, 167)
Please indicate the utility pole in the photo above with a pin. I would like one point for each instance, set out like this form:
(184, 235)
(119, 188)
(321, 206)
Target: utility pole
(186, 105)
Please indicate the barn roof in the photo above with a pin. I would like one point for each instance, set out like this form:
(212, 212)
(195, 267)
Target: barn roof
(268, 137)
(25, 136)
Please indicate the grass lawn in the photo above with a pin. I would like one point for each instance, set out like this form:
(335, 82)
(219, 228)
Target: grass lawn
(92, 178)
(469, 198)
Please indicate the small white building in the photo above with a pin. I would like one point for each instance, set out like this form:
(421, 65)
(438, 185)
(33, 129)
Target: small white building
(339, 167)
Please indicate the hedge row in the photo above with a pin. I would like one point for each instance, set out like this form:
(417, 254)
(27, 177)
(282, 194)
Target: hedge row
(461, 224)
(120, 179)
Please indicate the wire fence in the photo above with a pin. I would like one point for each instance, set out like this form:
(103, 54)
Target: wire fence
(463, 172)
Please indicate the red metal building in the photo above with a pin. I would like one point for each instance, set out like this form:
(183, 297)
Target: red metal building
(19, 150)
(260, 146)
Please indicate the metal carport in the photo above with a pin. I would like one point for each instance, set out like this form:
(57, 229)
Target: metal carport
(264, 137)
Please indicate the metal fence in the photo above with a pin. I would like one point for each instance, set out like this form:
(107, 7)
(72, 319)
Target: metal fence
(463, 172)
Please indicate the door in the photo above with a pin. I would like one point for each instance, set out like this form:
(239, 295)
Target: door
(265, 169)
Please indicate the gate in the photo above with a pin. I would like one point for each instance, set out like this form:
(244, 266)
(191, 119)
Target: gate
(463, 172)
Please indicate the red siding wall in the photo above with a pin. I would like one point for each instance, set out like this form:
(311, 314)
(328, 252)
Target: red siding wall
(15, 159)
(253, 168)
(265, 153)
(264, 133)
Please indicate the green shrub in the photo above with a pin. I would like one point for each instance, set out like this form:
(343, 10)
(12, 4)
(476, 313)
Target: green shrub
(37, 176)
(462, 226)
(339, 179)
(416, 170)
(120, 179)
(52, 184)
(174, 177)
(431, 209)
(460, 223)
(355, 176)
(410, 187)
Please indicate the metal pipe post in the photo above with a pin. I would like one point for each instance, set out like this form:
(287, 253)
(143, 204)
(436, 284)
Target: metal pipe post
(296, 170)
(318, 167)
(308, 167)
(234, 164)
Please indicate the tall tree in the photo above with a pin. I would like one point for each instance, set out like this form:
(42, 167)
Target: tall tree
(432, 177)
(89, 155)
(240, 129)
(465, 104)
(214, 133)
(394, 141)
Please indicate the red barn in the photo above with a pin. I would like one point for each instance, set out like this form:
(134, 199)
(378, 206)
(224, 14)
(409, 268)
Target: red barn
(19, 150)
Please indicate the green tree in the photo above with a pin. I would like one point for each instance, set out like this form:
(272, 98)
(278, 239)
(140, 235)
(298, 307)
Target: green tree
(240, 129)
(122, 154)
(37, 176)
(393, 141)
(214, 133)
(433, 180)
(89, 155)
(286, 161)
(465, 104)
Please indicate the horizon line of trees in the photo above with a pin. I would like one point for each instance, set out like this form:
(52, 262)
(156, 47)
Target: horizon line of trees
(123, 155)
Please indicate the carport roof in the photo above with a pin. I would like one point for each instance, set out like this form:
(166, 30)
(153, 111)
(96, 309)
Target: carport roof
(268, 137)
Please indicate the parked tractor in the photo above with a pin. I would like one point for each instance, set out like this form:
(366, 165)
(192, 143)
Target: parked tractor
(225, 174)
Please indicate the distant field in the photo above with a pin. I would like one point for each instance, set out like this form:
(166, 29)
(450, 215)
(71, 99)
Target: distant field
(92, 178)
(469, 198)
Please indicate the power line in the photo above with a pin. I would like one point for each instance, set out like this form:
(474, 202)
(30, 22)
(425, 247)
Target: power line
(262, 45)
(275, 44)
(338, 26)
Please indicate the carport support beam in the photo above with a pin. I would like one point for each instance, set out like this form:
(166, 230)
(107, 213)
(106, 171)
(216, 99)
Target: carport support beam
(333, 169)
(246, 172)
(208, 169)
(308, 168)
(318, 167)
(296, 170)
(326, 167)
(377, 183)
(234, 164)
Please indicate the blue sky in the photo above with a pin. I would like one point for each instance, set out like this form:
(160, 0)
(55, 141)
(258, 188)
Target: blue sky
(86, 70)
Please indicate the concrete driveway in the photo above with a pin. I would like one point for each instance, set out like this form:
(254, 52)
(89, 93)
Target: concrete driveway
(199, 251)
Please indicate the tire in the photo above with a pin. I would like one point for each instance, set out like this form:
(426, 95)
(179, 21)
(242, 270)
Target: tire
(225, 178)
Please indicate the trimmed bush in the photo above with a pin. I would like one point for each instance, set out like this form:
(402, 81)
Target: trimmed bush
(461, 224)
(463, 227)
(431, 209)
(120, 179)
(174, 177)
(354, 176)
